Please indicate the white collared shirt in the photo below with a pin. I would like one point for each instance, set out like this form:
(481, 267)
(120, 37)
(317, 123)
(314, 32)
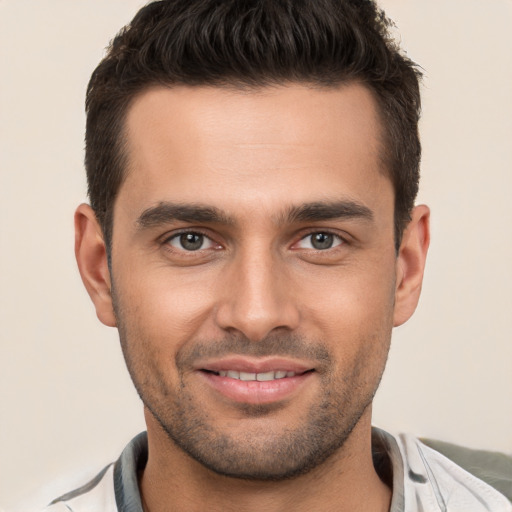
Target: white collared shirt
(423, 481)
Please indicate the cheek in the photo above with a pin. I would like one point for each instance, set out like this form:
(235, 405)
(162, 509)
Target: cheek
(356, 300)
(353, 315)
(164, 308)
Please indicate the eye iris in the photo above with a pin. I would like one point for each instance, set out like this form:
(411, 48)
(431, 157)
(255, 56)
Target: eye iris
(191, 241)
(322, 240)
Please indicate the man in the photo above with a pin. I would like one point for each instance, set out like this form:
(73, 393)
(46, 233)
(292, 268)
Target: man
(252, 233)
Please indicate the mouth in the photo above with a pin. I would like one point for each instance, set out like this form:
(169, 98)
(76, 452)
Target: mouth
(256, 382)
(252, 376)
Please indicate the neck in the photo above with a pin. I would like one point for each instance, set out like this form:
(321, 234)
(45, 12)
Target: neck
(345, 482)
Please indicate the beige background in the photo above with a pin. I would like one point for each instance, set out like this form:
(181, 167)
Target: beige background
(67, 405)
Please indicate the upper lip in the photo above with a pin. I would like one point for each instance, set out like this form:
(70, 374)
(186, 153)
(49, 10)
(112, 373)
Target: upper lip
(255, 365)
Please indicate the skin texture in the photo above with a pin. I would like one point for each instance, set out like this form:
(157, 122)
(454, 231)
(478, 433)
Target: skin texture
(255, 176)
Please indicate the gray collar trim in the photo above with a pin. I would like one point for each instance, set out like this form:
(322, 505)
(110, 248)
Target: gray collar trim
(126, 470)
(386, 443)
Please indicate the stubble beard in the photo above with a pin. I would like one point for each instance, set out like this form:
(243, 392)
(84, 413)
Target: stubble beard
(260, 453)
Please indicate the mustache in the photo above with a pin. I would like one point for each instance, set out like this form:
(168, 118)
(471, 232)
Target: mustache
(276, 345)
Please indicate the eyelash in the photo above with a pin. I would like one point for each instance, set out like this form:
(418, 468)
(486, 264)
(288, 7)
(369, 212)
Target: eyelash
(166, 241)
(341, 240)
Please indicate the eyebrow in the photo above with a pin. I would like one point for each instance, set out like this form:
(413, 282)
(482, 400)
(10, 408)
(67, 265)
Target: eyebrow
(319, 211)
(166, 212)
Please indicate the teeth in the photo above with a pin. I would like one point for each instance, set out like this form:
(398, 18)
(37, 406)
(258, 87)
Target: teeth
(265, 376)
(247, 376)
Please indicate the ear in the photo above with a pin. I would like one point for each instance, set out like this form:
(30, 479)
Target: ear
(411, 263)
(91, 256)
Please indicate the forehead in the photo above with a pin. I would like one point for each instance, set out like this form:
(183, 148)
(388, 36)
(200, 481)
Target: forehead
(291, 143)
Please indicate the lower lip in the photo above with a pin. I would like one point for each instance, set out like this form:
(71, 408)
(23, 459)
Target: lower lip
(256, 392)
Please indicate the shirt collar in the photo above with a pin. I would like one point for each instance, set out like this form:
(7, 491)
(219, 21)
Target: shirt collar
(385, 450)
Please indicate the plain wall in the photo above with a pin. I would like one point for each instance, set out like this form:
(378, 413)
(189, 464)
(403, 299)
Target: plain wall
(66, 401)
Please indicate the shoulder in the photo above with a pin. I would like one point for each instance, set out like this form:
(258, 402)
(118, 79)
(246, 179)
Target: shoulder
(443, 480)
(98, 494)
(494, 468)
(112, 489)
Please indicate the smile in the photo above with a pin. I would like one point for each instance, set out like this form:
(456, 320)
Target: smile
(261, 377)
(256, 382)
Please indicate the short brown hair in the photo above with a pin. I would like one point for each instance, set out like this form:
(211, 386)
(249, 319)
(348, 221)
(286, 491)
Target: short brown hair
(253, 43)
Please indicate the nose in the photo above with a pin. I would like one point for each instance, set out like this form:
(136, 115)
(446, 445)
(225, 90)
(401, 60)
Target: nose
(257, 298)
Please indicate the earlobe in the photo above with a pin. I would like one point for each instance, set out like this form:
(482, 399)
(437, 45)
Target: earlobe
(411, 264)
(91, 256)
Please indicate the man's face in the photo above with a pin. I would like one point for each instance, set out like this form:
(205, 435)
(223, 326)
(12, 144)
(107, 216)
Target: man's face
(254, 270)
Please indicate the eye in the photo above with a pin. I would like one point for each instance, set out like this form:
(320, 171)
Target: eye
(320, 241)
(191, 241)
